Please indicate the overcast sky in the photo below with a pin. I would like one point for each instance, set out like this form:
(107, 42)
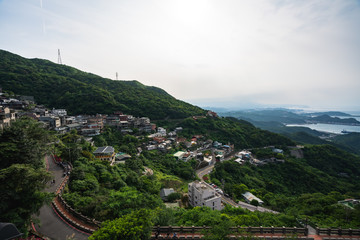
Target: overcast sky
(207, 52)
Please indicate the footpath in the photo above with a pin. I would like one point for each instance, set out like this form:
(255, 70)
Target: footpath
(52, 225)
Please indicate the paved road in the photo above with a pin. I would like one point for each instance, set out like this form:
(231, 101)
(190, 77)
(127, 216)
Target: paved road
(51, 225)
(203, 171)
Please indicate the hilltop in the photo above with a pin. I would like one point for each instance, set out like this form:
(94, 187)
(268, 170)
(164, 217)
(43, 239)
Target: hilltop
(79, 92)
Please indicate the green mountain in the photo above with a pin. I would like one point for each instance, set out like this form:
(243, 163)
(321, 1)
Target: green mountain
(79, 92)
(276, 115)
(308, 187)
(352, 140)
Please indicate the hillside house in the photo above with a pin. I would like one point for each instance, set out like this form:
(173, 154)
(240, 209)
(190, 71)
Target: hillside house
(165, 192)
(179, 155)
(106, 153)
(161, 131)
(121, 157)
(59, 112)
(202, 194)
(51, 121)
(6, 117)
(248, 196)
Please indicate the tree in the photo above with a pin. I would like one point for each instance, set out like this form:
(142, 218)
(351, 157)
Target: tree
(174, 196)
(219, 231)
(23, 177)
(22, 193)
(254, 202)
(25, 141)
(134, 226)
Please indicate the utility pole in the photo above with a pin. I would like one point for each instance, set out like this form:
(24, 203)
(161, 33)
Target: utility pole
(59, 57)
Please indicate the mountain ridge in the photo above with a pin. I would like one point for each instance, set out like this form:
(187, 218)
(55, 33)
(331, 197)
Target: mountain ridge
(61, 86)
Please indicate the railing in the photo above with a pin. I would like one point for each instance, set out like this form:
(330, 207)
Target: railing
(338, 231)
(70, 221)
(234, 230)
(69, 210)
(78, 215)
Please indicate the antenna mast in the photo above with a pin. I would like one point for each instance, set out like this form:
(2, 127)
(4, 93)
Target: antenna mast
(59, 57)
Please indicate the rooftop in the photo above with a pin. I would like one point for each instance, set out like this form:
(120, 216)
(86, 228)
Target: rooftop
(107, 149)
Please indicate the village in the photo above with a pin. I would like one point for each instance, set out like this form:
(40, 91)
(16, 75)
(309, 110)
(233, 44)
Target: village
(206, 152)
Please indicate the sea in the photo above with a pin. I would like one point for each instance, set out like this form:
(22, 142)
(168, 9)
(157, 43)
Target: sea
(332, 128)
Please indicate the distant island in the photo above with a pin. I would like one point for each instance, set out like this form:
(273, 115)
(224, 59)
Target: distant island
(330, 113)
(333, 120)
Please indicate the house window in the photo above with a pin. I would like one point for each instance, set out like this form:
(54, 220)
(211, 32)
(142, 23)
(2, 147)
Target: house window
(213, 203)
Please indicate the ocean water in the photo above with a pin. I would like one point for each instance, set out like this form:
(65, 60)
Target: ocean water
(331, 128)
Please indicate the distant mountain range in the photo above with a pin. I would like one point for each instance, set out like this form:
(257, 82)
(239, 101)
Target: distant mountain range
(333, 120)
(286, 116)
(275, 120)
(79, 92)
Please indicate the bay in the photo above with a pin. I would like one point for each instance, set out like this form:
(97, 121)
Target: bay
(331, 128)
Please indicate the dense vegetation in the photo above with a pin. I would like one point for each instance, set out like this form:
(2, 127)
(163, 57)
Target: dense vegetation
(22, 172)
(308, 187)
(351, 140)
(106, 192)
(115, 193)
(62, 86)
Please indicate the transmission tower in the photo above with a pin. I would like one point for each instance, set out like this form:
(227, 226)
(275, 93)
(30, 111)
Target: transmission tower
(116, 76)
(59, 57)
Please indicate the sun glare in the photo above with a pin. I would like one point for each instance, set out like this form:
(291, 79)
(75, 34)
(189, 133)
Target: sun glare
(190, 11)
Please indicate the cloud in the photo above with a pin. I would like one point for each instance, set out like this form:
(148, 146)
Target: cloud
(265, 51)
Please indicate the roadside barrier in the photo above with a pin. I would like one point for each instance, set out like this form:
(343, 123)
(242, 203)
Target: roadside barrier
(237, 230)
(338, 231)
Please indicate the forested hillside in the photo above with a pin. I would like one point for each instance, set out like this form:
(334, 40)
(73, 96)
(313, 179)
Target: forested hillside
(308, 187)
(79, 92)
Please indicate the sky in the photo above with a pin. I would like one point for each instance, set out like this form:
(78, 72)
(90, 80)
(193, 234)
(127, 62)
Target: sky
(222, 53)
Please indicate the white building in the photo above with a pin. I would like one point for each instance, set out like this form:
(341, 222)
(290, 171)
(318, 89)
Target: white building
(201, 194)
(161, 131)
(249, 197)
(59, 112)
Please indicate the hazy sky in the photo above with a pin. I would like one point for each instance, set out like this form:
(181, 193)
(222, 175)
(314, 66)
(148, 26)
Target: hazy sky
(202, 51)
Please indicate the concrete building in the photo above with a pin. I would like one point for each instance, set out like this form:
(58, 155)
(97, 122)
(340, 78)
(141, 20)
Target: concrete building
(161, 131)
(51, 121)
(179, 155)
(201, 194)
(59, 112)
(6, 117)
(249, 197)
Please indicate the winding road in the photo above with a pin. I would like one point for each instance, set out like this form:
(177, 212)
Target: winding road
(51, 224)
